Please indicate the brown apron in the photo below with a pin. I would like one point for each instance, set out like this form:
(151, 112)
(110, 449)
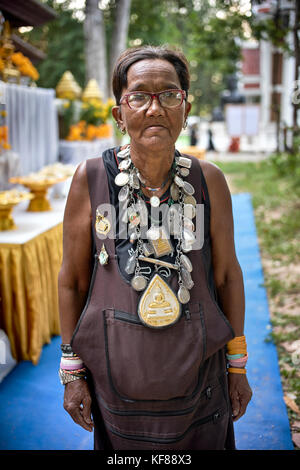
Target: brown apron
(162, 389)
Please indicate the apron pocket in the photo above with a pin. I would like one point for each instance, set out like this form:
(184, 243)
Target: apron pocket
(145, 364)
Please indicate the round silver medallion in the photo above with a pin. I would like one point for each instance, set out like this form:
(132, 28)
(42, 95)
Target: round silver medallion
(154, 201)
(174, 191)
(190, 200)
(139, 282)
(188, 188)
(183, 295)
(184, 171)
(122, 178)
(124, 164)
(189, 211)
(124, 153)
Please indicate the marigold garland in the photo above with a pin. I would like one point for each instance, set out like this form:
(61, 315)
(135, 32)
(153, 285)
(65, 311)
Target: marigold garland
(4, 138)
(84, 131)
(24, 65)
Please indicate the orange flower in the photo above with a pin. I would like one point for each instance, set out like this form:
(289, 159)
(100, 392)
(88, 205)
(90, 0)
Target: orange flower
(104, 131)
(24, 65)
(74, 133)
(17, 58)
(91, 132)
(4, 137)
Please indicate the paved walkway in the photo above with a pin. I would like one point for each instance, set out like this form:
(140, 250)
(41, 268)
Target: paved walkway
(265, 426)
(31, 412)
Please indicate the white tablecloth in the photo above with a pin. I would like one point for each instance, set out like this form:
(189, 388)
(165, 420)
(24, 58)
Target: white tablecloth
(32, 123)
(77, 151)
(31, 224)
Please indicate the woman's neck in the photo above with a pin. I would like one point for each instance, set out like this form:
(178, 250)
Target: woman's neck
(154, 167)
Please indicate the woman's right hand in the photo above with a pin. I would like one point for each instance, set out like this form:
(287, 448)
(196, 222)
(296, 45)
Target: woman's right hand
(77, 402)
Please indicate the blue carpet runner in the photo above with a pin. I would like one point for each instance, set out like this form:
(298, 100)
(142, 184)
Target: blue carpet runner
(31, 398)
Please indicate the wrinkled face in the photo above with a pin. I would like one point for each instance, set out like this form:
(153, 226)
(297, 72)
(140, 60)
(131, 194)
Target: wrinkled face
(154, 127)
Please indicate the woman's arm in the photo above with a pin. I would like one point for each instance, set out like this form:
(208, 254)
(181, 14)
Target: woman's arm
(75, 273)
(227, 274)
(73, 285)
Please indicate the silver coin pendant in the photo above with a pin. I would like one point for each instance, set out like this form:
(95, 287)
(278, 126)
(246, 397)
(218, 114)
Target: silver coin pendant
(183, 295)
(139, 283)
(122, 178)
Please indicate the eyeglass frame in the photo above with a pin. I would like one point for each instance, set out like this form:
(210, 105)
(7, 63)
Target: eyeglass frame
(154, 95)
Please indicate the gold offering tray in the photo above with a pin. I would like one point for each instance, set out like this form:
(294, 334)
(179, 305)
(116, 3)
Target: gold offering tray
(9, 199)
(38, 186)
(194, 151)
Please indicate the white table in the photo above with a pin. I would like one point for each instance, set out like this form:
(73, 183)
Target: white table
(74, 152)
(30, 259)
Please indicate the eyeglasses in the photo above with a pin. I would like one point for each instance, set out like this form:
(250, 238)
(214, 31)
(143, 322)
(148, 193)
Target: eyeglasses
(143, 99)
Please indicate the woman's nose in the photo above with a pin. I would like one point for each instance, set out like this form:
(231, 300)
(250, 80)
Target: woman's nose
(155, 107)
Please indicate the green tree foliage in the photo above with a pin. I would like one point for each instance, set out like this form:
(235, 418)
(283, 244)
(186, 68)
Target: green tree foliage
(63, 42)
(209, 34)
(207, 31)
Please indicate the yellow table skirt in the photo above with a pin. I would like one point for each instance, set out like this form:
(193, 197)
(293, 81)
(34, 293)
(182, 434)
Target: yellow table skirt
(29, 295)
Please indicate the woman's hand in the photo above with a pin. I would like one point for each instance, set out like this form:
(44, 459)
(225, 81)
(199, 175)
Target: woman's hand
(77, 402)
(240, 394)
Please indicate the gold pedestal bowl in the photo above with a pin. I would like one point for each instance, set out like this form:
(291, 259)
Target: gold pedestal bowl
(38, 187)
(8, 200)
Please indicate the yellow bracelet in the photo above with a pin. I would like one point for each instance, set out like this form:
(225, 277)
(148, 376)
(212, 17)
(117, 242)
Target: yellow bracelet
(236, 370)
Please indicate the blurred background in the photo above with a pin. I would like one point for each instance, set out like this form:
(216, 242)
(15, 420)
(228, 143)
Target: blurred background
(56, 62)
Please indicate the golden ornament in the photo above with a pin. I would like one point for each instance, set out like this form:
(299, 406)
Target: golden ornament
(159, 306)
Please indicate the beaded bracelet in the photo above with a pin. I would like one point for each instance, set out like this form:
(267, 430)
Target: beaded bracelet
(71, 363)
(239, 362)
(237, 355)
(71, 366)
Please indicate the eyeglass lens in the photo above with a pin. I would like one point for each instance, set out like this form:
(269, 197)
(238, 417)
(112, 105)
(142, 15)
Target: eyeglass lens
(168, 99)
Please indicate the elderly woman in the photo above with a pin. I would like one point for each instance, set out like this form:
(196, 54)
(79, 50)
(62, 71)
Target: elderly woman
(151, 293)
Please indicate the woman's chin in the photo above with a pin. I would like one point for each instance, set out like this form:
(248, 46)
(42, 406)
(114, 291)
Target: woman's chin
(156, 142)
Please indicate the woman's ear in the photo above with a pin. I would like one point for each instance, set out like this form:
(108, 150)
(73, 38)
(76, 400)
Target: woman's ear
(187, 109)
(116, 113)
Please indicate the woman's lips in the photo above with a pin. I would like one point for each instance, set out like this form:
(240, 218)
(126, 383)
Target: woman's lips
(155, 127)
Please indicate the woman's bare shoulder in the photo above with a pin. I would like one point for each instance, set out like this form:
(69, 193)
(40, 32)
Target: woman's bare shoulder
(78, 197)
(215, 179)
(210, 170)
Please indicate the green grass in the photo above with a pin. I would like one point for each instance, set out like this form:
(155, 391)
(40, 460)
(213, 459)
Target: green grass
(276, 203)
(275, 194)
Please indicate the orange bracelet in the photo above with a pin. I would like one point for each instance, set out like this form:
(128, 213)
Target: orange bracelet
(237, 345)
(236, 370)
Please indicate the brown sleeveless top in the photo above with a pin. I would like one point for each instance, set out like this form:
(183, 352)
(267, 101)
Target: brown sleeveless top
(153, 389)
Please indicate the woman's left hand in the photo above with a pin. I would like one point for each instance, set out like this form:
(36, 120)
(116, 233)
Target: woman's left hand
(240, 394)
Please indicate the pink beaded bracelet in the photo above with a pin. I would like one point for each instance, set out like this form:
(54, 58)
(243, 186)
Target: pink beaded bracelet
(241, 362)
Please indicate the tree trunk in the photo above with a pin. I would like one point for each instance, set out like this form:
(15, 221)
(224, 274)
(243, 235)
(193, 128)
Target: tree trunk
(297, 62)
(95, 46)
(119, 34)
